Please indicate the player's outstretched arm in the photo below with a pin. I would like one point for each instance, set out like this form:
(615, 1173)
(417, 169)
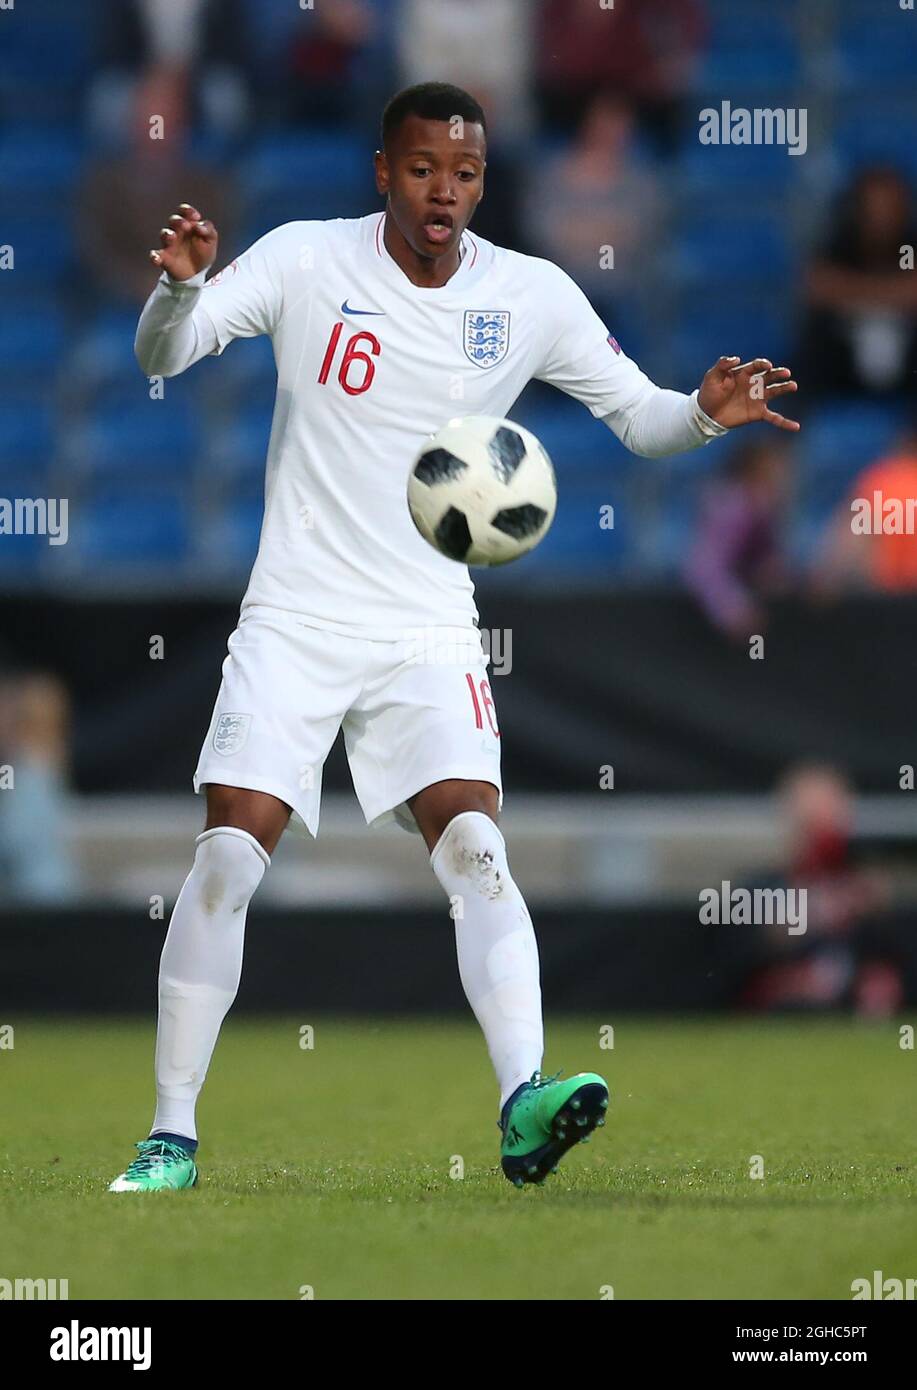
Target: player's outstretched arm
(170, 335)
(583, 359)
(737, 393)
(656, 421)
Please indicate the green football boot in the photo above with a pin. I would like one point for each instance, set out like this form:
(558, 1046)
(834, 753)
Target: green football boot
(160, 1166)
(544, 1118)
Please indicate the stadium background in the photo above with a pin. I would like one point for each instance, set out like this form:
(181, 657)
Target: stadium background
(642, 745)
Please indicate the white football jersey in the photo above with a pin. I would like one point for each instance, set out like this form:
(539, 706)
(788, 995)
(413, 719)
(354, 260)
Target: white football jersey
(368, 365)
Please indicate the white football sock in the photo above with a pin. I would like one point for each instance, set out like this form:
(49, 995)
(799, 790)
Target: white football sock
(495, 943)
(200, 968)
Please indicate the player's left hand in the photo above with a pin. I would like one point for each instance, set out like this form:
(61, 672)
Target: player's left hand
(738, 393)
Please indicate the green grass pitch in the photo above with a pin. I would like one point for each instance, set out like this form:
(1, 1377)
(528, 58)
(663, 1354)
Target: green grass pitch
(329, 1169)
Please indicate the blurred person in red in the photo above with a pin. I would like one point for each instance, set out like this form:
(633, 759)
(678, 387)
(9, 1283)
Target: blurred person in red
(125, 191)
(597, 208)
(838, 962)
(737, 563)
(860, 334)
(871, 542)
(319, 62)
(644, 50)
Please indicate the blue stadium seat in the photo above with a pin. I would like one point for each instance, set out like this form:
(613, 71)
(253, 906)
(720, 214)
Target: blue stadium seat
(843, 436)
(239, 449)
(21, 559)
(720, 320)
(102, 371)
(305, 175)
(682, 482)
(578, 545)
(840, 440)
(21, 477)
(56, 106)
(153, 439)
(759, 12)
(229, 542)
(131, 529)
(33, 337)
(752, 48)
(752, 172)
(50, 43)
(879, 132)
(38, 161)
(877, 45)
(749, 248)
(43, 249)
(26, 434)
(244, 378)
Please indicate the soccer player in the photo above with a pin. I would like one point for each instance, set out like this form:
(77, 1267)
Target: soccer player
(373, 323)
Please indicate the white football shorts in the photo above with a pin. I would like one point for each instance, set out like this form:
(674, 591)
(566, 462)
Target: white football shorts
(414, 712)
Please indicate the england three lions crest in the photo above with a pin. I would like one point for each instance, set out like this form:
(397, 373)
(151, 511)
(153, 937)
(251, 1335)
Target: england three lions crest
(486, 336)
(231, 733)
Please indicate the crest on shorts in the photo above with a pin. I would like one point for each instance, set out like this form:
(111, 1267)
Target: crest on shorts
(486, 336)
(231, 732)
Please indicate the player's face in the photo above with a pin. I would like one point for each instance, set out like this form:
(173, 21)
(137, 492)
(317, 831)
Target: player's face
(433, 174)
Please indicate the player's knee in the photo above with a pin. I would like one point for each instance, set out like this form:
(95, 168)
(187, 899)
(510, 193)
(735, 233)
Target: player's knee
(262, 816)
(470, 856)
(228, 866)
(449, 802)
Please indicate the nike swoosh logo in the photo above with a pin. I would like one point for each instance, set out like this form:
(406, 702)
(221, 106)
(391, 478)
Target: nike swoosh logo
(376, 313)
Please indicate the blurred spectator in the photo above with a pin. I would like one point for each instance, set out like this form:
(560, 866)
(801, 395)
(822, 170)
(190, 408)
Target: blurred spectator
(861, 328)
(484, 46)
(871, 542)
(643, 50)
(838, 962)
(125, 198)
(320, 60)
(737, 562)
(34, 737)
(595, 198)
(203, 40)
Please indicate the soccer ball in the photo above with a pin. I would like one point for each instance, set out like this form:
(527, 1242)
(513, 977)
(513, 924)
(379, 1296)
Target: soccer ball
(482, 490)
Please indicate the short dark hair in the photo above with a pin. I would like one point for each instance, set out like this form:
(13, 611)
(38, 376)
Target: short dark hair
(432, 101)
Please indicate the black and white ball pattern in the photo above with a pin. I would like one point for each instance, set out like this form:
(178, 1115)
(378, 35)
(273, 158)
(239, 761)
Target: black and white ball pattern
(482, 491)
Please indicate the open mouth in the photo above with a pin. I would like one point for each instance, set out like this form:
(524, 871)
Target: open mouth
(438, 227)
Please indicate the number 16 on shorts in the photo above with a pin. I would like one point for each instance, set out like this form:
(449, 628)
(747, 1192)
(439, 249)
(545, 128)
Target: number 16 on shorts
(482, 700)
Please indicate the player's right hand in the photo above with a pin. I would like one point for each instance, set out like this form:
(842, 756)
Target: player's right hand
(187, 245)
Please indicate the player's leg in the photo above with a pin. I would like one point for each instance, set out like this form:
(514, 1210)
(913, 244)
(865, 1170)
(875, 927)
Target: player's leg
(285, 688)
(424, 747)
(199, 973)
(201, 962)
(494, 937)
(540, 1118)
(261, 816)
